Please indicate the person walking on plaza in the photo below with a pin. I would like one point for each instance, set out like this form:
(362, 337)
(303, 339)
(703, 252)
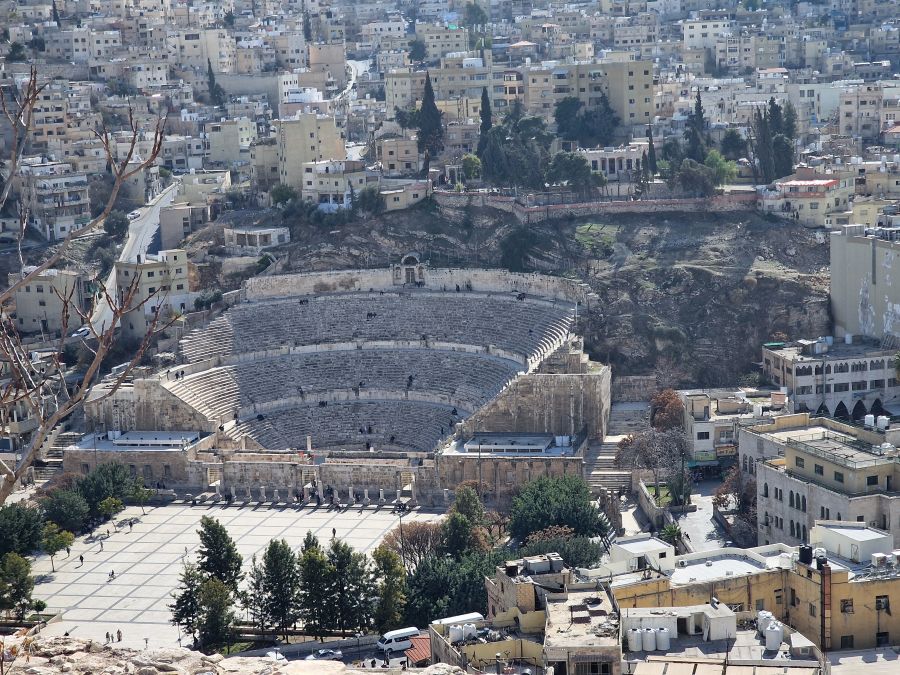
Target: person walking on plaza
(119, 635)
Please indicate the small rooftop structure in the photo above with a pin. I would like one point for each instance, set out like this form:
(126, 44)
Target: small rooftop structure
(137, 441)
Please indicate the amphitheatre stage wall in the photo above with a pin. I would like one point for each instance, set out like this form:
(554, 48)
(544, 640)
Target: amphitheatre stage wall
(481, 280)
(558, 404)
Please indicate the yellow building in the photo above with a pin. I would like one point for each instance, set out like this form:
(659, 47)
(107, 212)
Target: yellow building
(307, 137)
(152, 285)
(41, 304)
(839, 601)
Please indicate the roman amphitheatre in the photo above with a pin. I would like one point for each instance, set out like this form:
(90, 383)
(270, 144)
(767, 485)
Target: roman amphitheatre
(374, 383)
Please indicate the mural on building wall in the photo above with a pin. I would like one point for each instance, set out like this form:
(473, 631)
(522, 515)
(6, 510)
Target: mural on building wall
(866, 310)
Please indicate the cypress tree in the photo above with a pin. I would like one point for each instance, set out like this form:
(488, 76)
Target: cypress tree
(431, 131)
(651, 151)
(486, 121)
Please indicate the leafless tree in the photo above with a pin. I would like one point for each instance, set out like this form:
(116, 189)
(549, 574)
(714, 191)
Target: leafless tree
(659, 452)
(414, 542)
(43, 390)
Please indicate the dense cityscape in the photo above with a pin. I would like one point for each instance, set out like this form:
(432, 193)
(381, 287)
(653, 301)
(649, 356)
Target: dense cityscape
(489, 336)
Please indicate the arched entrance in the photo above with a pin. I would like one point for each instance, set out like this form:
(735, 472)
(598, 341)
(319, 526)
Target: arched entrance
(859, 410)
(841, 412)
(822, 411)
(877, 408)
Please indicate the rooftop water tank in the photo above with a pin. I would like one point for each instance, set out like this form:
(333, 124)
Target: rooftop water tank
(774, 635)
(763, 619)
(848, 339)
(869, 421)
(469, 630)
(829, 340)
(456, 634)
(663, 639)
(649, 640)
(882, 422)
(635, 641)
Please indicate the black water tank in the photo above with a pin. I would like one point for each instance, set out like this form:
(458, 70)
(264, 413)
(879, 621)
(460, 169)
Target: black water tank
(821, 561)
(806, 555)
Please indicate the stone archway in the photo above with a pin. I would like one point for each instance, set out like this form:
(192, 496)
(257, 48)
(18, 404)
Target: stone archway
(822, 411)
(841, 412)
(877, 408)
(859, 410)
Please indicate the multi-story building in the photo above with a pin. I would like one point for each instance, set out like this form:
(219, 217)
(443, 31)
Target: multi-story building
(403, 87)
(860, 111)
(56, 197)
(703, 33)
(442, 40)
(48, 299)
(197, 48)
(307, 137)
(230, 140)
(331, 183)
(809, 197)
(844, 378)
(178, 220)
(154, 288)
(864, 300)
(824, 470)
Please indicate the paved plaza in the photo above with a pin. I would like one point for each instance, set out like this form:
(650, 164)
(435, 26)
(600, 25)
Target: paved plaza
(148, 559)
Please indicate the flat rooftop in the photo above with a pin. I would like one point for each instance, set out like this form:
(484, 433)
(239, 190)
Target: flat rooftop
(855, 533)
(585, 618)
(834, 444)
(710, 568)
(510, 445)
(642, 545)
(132, 441)
(793, 351)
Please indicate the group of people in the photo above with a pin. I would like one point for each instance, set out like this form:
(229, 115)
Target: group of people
(114, 638)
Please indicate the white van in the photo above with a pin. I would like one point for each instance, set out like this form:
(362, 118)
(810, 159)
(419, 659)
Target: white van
(396, 640)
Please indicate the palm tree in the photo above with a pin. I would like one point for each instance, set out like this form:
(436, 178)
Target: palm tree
(670, 533)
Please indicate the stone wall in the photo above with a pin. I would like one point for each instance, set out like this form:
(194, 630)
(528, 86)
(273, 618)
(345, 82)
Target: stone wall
(633, 387)
(166, 466)
(482, 280)
(558, 404)
(144, 405)
(742, 201)
(501, 477)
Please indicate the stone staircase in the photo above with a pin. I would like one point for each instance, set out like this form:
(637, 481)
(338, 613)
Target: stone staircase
(52, 457)
(600, 469)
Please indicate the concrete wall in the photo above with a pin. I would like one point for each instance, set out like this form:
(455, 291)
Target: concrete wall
(633, 387)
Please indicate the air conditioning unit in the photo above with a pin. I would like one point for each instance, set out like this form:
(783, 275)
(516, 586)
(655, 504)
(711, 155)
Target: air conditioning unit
(682, 563)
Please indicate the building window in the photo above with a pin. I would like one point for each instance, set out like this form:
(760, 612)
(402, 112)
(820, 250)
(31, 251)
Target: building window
(760, 604)
(847, 606)
(799, 461)
(846, 642)
(882, 603)
(838, 477)
(702, 435)
(871, 480)
(812, 609)
(882, 639)
(765, 489)
(819, 471)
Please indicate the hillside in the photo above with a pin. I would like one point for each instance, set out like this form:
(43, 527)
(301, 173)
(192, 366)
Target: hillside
(690, 296)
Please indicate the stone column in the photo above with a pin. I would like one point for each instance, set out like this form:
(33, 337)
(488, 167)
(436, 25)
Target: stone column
(351, 498)
(262, 493)
(366, 501)
(399, 492)
(305, 494)
(249, 495)
(275, 496)
(233, 493)
(381, 496)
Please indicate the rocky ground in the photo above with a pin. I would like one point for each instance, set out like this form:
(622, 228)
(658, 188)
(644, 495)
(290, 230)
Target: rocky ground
(81, 657)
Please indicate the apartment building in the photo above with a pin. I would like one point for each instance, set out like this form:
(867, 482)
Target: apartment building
(307, 137)
(398, 156)
(332, 183)
(264, 164)
(860, 111)
(622, 163)
(156, 285)
(844, 378)
(50, 297)
(809, 197)
(825, 470)
(442, 40)
(178, 220)
(403, 88)
(199, 47)
(229, 141)
(703, 33)
(56, 197)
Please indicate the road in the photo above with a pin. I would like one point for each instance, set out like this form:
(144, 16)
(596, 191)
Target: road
(702, 531)
(140, 233)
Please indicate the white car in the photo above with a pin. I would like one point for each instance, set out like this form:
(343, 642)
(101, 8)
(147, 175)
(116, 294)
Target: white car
(134, 215)
(82, 332)
(326, 655)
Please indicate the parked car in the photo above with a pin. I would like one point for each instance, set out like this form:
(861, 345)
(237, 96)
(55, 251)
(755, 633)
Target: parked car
(326, 655)
(134, 215)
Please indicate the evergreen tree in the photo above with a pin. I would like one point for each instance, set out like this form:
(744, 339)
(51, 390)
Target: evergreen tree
(776, 120)
(782, 156)
(733, 145)
(391, 589)
(469, 504)
(16, 584)
(431, 130)
(307, 24)
(186, 608)
(651, 151)
(457, 532)
(219, 558)
(54, 540)
(695, 133)
(216, 93)
(315, 602)
(55, 14)
(789, 126)
(281, 588)
(350, 588)
(217, 617)
(254, 598)
(762, 146)
(486, 120)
